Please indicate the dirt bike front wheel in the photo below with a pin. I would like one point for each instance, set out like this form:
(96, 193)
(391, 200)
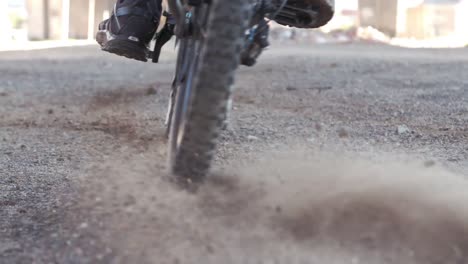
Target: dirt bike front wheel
(206, 65)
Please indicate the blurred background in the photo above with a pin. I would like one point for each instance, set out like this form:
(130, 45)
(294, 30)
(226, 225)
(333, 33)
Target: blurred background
(441, 23)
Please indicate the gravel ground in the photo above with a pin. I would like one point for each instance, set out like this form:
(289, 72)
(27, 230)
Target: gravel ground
(335, 154)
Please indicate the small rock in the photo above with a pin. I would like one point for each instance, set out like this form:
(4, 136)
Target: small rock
(403, 129)
(50, 111)
(342, 133)
(23, 146)
(252, 138)
(60, 159)
(318, 127)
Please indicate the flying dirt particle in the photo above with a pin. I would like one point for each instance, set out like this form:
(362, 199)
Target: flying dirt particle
(291, 88)
(210, 249)
(429, 163)
(278, 209)
(3, 94)
(50, 111)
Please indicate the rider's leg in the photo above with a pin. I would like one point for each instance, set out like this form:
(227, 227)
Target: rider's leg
(130, 28)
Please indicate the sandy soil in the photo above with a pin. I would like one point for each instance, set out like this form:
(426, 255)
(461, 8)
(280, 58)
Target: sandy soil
(335, 154)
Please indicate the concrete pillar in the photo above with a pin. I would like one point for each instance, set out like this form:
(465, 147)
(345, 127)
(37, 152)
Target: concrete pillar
(381, 14)
(102, 11)
(37, 22)
(56, 19)
(65, 16)
(64, 19)
(5, 26)
(461, 20)
(91, 18)
(79, 19)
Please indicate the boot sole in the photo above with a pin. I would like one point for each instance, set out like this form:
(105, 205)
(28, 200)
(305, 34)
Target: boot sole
(125, 48)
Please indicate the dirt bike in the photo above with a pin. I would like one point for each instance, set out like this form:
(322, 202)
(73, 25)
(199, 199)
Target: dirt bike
(213, 37)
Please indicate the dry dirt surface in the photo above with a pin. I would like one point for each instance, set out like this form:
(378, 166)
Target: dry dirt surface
(335, 154)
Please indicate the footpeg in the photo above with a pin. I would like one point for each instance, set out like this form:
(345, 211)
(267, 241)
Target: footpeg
(163, 37)
(257, 41)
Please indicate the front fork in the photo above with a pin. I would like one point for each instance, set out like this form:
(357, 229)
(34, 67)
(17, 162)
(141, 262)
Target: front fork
(256, 39)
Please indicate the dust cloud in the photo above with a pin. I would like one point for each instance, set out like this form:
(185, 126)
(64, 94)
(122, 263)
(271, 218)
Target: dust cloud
(294, 208)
